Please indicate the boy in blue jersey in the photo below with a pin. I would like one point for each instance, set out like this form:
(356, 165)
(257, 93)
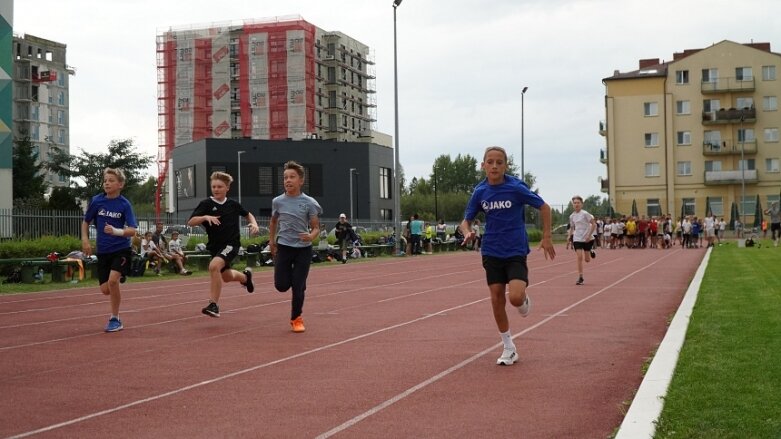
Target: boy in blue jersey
(115, 223)
(504, 246)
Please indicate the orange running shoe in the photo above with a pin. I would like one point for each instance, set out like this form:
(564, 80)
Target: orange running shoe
(298, 324)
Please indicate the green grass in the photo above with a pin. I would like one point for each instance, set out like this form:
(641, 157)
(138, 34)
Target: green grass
(728, 380)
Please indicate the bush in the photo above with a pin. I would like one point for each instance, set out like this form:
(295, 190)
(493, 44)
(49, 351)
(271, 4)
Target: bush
(39, 248)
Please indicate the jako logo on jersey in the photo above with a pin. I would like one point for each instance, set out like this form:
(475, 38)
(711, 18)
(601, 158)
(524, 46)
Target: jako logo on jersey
(104, 212)
(491, 205)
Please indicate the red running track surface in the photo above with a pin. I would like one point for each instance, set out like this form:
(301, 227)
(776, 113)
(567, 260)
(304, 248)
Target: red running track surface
(394, 347)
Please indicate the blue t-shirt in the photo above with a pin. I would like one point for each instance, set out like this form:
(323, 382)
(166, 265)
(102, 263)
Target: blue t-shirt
(115, 211)
(416, 227)
(505, 226)
(293, 215)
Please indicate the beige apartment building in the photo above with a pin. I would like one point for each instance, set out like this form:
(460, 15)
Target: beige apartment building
(696, 133)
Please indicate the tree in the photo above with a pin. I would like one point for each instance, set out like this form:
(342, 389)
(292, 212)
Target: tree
(29, 182)
(88, 167)
(142, 196)
(62, 199)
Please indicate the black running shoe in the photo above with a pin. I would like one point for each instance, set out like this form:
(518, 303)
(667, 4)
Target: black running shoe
(212, 310)
(122, 279)
(593, 254)
(580, 281)
(249, 285)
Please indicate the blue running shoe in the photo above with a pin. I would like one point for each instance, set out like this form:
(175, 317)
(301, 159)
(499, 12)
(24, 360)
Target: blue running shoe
(114, 325)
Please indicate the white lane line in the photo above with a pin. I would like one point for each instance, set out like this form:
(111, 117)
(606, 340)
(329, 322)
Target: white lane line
(374, 410)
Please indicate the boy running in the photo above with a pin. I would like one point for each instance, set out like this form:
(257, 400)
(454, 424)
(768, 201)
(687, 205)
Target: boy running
(115, 223)
(582, 226)
(219, 215)
(502, 199)
(295, 223)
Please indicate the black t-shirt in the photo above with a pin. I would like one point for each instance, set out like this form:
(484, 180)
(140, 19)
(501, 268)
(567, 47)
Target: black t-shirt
(227, 232)
(342, 230)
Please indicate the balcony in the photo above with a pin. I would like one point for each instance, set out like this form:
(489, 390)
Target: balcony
(602, 128)
(730, 177)
(722, 117)
(602, 156)
(725, 85)
(605, 186)
(729, 147)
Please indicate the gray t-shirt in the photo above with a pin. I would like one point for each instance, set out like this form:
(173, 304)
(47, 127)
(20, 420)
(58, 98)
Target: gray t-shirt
(775, 214)
(293, 215)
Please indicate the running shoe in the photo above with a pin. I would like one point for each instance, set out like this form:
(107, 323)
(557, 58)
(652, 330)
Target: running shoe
(509, 357)
(525, 306)
(114, 325)
(593, 254)
(249, 285)
(122, 279)
(212, 310)
(298, 324)
(580, 281)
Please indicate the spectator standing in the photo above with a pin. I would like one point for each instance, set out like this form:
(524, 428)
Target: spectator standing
(441, 231)
(775, 221)
(342, 232)
(416, 232)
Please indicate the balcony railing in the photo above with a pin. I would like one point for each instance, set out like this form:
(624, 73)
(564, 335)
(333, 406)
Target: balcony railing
(605, 185)
(723, 85)
(602, 156)
(720, 117)
(602, 128)
(728, 147)
(730, 177)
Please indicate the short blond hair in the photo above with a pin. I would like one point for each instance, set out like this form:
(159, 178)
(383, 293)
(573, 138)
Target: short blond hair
(222, 176)
(116, 172)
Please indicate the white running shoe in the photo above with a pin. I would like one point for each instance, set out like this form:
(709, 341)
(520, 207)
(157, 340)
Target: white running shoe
(525, 307)
(508, 357)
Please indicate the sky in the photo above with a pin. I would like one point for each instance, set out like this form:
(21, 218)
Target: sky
(461, 67)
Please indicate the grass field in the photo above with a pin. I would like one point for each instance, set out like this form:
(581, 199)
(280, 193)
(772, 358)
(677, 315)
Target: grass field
(728, 380)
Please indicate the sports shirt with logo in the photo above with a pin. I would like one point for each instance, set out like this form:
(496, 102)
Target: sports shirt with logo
(504, 207)
(293, 215)
(114, 211)
(227, 232)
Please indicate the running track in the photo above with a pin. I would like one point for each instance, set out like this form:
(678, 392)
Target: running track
(395, 347)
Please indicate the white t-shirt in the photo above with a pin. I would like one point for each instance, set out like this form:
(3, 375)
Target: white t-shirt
(175, 245)
(147, 247)
(580, 223)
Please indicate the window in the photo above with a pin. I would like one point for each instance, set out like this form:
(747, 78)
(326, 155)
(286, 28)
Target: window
(744, 103)
(749, 203)
(712, 165)
(769, 103)
(652, 169)
(685, 168)
(710, 75)
(749, 164)
(650, 109)
(651, 139)
(746, 135)
(332, 99)
(768, 73)
(682, 77)
(771, 165)
(688, 206)
(60, 79)
(716, 205)
(385, 183)
(185, 182)
(709, 105)
(771, 134)
(682, 107)
(743, 74)
(34, 132)
(773, 198)
(386, 214)
(60, 117)
(62, 178)
(684, 137)
(653, 208)
(266, 180)
(61, 137)
(34, 112)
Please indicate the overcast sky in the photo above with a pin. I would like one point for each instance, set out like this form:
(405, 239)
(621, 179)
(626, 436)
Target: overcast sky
(462, 65)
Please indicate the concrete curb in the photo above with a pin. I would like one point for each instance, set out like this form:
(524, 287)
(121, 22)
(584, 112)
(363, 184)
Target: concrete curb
(640, 420)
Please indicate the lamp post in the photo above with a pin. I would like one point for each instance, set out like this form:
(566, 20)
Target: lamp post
(742, 174)
(436, 204)
(396, 164)
(523, 170)
(238, 160)
(352, 216)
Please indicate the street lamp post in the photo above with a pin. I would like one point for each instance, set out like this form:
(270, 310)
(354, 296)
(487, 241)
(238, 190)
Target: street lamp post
(396, 164)
(523, 170)
(742, 173)
(352, 216)
(238, 160)
(436, 204)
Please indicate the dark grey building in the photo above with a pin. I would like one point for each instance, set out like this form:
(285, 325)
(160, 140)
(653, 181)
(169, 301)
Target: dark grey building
(329, 165)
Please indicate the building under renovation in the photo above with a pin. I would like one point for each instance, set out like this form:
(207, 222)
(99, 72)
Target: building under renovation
(278, 79)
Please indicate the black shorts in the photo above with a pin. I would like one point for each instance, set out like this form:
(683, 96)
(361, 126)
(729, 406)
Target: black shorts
(775, 227)
(117, 261)
(502, 270)
(227, 253)
(578, 245)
